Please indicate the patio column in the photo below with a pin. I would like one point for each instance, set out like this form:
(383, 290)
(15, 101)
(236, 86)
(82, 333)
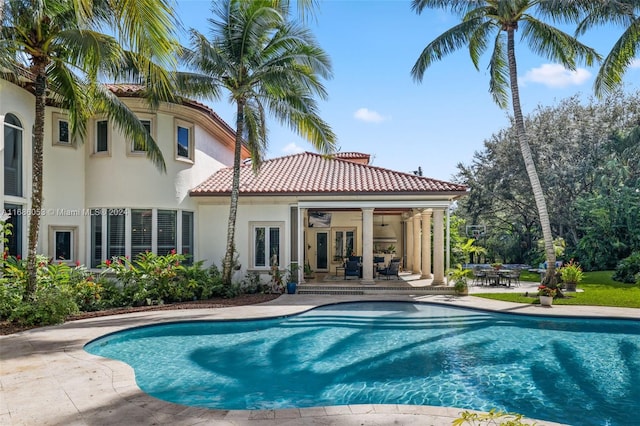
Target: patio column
(367, 246)
(409, 253)
(426, 244)
(417, 264)
(438, 247)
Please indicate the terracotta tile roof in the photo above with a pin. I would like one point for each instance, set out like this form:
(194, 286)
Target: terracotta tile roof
(135, 90)
(352, 156)
(312, 173)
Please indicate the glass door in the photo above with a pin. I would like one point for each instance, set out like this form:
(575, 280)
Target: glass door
(322, 252)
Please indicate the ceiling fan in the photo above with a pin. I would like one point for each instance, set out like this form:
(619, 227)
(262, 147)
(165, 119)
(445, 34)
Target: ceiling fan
(383, 224)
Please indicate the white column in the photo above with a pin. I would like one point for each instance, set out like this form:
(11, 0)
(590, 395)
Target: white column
(438, 247)
(301, 247)
(426, 244)
(417, 242)
(409, 253)
(367, 246)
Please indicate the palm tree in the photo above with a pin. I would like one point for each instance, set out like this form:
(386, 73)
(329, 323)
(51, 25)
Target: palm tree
(486, 22)
(59, 43)
(268, 64)
(623, 52)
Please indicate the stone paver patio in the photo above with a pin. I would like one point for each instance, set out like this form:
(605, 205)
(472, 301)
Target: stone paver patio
(46, 378)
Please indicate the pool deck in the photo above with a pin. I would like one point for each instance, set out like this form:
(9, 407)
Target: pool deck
(46, 378)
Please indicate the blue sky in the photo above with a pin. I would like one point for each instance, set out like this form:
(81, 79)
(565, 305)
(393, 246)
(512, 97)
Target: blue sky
(374, 105)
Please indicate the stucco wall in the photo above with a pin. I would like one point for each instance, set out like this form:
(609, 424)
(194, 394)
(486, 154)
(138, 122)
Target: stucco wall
(76, 179)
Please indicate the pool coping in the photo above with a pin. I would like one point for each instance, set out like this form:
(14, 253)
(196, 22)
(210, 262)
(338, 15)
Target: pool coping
(46, 377)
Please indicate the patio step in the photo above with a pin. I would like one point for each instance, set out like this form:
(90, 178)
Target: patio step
(371, 289)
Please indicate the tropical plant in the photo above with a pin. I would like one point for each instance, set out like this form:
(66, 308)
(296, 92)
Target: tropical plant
(483, 23)
(571, 272)
(60, 45)
(624, 50)
(585, 153)
(628, 269)
(268, 63)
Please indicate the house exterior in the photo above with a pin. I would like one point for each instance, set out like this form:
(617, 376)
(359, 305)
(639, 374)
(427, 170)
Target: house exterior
(104, 198)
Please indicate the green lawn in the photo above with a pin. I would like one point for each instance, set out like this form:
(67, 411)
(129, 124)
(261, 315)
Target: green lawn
(599, 290)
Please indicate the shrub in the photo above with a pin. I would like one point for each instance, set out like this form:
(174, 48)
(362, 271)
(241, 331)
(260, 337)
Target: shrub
(628, 268)
(49, 305)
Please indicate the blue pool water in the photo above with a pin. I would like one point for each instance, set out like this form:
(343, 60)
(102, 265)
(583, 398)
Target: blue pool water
(580, 372)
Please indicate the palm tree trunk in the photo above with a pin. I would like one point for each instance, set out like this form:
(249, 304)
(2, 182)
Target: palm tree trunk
(39, 68)
(538, 195)
(227, 263)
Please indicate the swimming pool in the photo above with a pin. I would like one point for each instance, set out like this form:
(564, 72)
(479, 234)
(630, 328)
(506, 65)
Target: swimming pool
(565, 370)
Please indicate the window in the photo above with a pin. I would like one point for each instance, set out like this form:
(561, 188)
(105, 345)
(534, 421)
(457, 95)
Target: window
(137, 148)
(187, 236)
(63, 243)
(12, 156)
(184, 140)
(102, 136)
(115, 235)
(141, 232)
(14, 241)
(96, 238)
(166, 231)
(344, 243)
(266, 245)
(61, 135)
(120, 232)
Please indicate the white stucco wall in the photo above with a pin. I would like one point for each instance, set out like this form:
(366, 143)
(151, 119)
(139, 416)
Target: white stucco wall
(76, 179)
(212, 223)
(20, 103)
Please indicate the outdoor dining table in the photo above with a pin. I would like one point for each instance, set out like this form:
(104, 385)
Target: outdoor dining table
(494, 276)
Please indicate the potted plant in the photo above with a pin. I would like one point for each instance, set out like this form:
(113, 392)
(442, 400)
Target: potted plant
(308, 272)
(571, 274)
(546, 295)
(459, 278)
(292, 278)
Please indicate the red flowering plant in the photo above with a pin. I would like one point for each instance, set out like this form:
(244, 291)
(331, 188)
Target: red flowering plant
(543, 290)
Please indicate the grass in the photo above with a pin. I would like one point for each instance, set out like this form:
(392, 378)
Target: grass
(599, 289)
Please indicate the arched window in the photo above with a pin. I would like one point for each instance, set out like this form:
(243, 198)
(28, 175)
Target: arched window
(12, 156)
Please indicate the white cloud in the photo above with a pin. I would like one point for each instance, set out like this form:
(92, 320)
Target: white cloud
(555, 75)
(635, 63)
(292, 148)
(365, 114)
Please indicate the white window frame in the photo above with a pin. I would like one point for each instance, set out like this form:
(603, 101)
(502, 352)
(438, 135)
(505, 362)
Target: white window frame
(73, 239)
(252, 241)
(94, 135)
(190, 127)
(152, 128)
(104, 213)
(56, 119)
(20, 173)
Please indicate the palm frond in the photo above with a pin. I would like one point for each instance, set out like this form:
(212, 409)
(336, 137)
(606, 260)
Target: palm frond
(618, 60)
(127, 122)
(556, 45)
(499, 72)
(446, 43)
(255, 131)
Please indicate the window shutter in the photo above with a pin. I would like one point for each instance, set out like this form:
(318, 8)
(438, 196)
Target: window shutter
(141, 232)
(166, 231)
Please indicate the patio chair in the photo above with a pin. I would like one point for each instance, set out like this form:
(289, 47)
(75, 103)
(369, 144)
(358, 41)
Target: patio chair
(513, 277)
(479, 276)
(392, 270)
(351, 269)
(378, 262)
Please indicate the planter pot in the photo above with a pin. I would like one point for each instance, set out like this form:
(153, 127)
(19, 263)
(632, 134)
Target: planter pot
(570, 286)
(546, 300)
(291, 288)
